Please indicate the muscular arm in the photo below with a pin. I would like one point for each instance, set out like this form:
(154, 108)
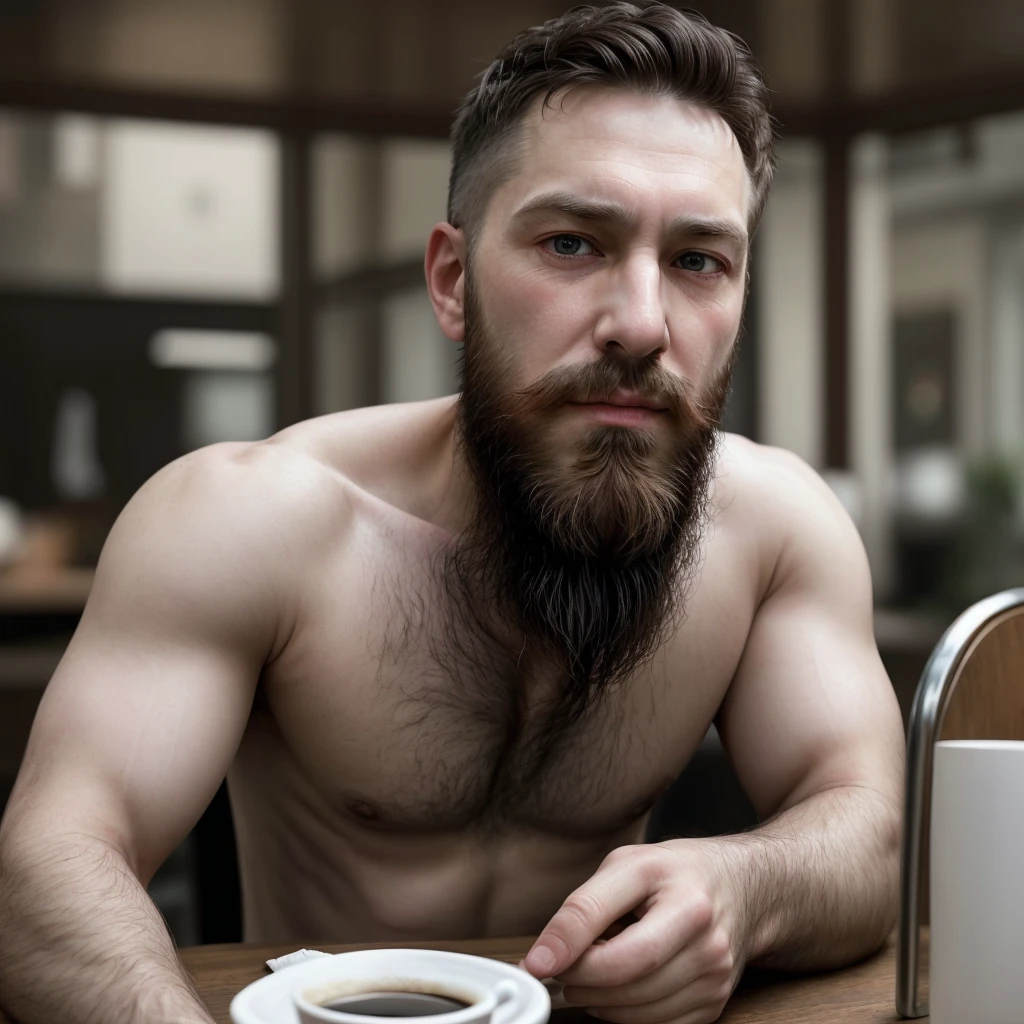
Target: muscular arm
(82, 939)
(815, 734)
(135, 732)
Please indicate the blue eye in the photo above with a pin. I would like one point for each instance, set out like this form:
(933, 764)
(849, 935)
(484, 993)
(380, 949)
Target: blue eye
(569, 245)
(700, 263)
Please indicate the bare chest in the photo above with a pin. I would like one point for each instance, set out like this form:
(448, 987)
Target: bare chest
(401, 726)
(410, 753)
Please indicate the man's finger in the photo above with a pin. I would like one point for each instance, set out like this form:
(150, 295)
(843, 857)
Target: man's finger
(642, 948)
(584, 916)
(676, 973)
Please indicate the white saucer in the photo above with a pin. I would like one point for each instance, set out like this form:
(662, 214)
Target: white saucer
(269, 1000)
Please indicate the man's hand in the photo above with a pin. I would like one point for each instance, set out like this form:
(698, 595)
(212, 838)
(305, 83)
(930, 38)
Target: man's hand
(678, 962)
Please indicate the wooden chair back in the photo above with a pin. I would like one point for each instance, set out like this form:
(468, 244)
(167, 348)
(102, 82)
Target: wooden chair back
(986, 700)
(971, 688)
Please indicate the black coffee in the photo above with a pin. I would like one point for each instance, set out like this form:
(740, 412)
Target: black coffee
(396, 1004)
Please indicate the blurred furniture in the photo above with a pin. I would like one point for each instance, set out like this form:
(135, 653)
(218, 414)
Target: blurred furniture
(58, 343)
(972, 688)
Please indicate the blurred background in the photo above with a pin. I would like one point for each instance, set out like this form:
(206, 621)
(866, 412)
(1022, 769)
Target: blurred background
(212, 218)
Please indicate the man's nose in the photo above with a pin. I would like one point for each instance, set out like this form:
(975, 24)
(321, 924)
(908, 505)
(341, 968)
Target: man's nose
(633, 316)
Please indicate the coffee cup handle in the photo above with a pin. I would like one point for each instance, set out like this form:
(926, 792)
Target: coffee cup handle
(509, 1002)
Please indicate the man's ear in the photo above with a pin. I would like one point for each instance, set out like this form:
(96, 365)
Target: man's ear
(445, 266)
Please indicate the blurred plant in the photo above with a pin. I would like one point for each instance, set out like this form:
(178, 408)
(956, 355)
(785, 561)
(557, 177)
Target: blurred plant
(987, 550)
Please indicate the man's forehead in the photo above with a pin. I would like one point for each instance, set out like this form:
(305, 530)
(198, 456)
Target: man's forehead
(615, 140)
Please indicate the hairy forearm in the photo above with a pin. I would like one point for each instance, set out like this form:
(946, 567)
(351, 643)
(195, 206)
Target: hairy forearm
(81, 942)
(819, 882)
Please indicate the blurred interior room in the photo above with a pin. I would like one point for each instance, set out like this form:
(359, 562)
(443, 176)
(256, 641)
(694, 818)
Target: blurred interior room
(212, 219)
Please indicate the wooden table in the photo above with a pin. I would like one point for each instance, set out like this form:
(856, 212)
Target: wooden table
(863, 994)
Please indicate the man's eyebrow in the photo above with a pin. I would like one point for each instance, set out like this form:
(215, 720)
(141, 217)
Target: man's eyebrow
(710, 227)
(576, 206)
(689, 225)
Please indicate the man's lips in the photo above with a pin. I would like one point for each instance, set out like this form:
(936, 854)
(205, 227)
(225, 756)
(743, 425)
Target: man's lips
(621, 410)
(624, 400)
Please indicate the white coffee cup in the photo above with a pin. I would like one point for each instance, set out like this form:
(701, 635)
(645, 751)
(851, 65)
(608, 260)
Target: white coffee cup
(421, 986)
(977, 883)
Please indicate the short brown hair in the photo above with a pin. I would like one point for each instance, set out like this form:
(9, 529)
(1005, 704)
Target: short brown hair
(646, 46)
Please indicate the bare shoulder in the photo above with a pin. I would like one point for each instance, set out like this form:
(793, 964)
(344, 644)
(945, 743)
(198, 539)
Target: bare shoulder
(776, 475)
(397, 454)
(779, 497)
(231, 492)
(309, 476)
(217, 543)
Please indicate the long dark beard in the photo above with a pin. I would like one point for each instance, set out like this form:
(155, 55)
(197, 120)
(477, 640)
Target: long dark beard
(586, 565)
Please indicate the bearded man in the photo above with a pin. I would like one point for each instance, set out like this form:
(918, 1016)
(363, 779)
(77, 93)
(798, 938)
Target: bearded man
(449, 653)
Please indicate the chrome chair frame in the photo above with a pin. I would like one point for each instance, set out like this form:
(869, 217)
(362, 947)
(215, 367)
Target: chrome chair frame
(927, 712)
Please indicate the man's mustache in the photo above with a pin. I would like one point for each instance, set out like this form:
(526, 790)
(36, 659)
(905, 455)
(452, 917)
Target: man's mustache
(599, 380)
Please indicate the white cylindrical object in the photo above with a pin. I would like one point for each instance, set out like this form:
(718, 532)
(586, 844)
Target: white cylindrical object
(977, 883)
